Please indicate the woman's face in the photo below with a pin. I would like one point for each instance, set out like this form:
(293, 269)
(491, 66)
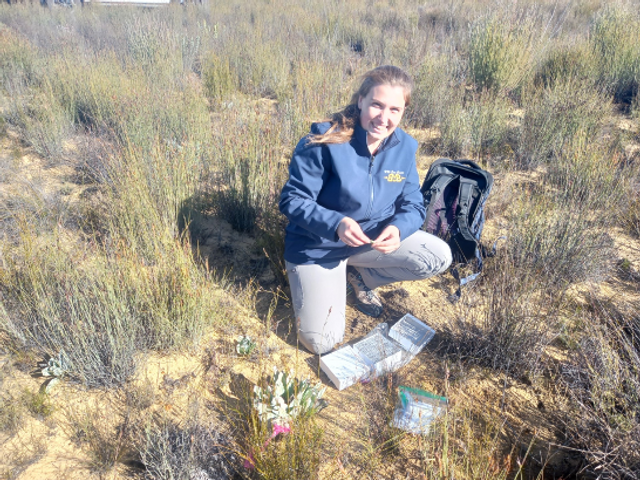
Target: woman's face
(381, 111)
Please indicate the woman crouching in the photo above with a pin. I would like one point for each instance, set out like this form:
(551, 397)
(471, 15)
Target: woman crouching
(355, 210)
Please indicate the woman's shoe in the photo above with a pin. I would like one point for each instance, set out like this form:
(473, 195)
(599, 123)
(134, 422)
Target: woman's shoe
(367, 300)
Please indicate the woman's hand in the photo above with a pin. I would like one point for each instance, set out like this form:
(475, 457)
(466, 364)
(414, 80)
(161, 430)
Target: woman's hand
(351, 234)
(388, 241)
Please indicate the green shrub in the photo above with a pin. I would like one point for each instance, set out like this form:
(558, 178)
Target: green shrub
(19, 62)
(37, 403)
(104, 435)
(44, 122)
(557, 238)
(454, 129)
(507, 330)
(104, 312)
(251, 170)
(437, 95)
(317, 89)
(101, 94)
(220, 81)
(561, 242)
(489, 129)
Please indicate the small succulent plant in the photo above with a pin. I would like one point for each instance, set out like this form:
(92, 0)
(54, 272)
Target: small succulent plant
(245, 345)
(54, 368)
(287, 398)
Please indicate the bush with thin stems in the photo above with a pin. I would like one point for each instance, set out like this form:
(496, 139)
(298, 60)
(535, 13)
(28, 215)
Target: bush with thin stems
(478, 127)
(550, 246)
(602, 378)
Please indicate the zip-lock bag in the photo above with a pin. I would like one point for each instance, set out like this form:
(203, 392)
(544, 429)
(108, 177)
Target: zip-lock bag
(455, 192)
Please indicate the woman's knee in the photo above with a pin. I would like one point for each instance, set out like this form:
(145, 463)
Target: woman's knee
(443, 252)
(434, 258)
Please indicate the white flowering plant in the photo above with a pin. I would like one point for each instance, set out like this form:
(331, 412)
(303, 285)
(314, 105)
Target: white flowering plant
(283, 400)
(287, 398)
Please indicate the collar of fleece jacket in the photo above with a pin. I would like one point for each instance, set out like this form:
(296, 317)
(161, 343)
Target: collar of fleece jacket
(359, 141)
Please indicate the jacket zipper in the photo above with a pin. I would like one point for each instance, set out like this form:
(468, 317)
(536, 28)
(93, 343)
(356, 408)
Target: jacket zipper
(370, 186)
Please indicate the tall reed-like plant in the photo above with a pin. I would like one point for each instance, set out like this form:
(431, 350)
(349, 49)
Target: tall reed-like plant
(615, 37)
(438, 93)
(504, 50)
(44, 122)
(555, 115)
(477, 126)
(251, 171)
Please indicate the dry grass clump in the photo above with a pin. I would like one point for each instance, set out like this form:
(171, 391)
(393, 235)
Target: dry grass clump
(11, 414)
(379, 442)
(101, 314)
(18, 459)
(465, 441)
(566, 62)
(191, 449)
(457, 448)
(43, 121)
(551, 244)
(477, 128)
(631, 214)
(103, 434)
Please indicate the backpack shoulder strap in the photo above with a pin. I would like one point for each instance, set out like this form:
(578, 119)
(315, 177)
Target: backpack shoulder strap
(438, 185)
(466, 198)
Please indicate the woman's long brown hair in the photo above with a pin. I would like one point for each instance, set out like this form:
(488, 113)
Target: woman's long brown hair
(344, 122)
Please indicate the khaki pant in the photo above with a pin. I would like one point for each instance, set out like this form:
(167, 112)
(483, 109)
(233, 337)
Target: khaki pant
(319, 293)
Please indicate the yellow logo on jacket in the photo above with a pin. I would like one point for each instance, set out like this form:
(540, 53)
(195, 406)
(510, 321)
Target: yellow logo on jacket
(394, 176)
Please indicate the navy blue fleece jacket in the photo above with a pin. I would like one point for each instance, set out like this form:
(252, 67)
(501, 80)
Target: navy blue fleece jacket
(328, 182)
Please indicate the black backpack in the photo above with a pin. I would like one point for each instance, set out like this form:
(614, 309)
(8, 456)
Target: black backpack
(455, 192)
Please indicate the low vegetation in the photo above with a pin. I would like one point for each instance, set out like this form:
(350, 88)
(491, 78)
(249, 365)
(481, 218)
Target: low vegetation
(153, 122)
